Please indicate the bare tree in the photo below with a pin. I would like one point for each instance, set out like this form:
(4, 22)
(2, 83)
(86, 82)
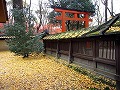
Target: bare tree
(42, 13)
(99, 17)
(39, 13)
(112, 8)
(9, 7)
(105, 3)
(102, 11)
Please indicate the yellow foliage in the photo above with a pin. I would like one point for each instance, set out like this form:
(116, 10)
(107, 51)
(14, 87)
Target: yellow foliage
(40, 72)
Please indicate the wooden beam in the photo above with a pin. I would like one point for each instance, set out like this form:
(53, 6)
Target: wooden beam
(70, 11)
(73, 19)
(3, 11)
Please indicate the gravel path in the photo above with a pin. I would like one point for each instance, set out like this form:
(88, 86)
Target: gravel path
(40, 73)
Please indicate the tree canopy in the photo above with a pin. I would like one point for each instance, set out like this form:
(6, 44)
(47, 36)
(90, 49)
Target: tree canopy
(22, 41)
(80, 5)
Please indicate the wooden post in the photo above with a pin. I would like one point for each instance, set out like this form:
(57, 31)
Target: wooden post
(70, 52)
(86, 20)
(76, 16)
(44, 42)
(63, 22)
(57, 51)
(51, 47)
(95, 53)
(117, 58)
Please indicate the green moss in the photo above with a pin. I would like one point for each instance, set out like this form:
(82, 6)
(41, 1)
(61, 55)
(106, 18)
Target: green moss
(94, 33)
(80, 33)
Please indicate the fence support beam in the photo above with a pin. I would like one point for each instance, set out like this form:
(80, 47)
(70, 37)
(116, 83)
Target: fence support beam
(57, 51)
(70, 53)
(44, 42)
(95, 53)
(117, 57)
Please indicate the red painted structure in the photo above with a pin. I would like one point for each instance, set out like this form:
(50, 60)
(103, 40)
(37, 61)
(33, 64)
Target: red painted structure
(64, 18)
(3, 11)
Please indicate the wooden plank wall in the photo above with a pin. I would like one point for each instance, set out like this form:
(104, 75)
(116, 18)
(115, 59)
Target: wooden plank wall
(99, 54)
(3, 11)
(3, 45)
(117, 58)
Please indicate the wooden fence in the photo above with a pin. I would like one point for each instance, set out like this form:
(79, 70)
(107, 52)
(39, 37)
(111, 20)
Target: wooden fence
(100, 53)
(3, 45)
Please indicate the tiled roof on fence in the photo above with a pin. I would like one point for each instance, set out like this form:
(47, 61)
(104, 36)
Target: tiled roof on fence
(4, 37)
(103, 29)
(65, 35)
(111, 30)
(81, 33)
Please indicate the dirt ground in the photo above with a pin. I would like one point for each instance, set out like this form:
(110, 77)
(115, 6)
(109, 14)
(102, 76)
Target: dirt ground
(40, 72)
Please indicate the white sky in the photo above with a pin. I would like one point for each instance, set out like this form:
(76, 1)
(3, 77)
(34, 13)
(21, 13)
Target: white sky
(35, 3)
(116, 5)
(116, 10)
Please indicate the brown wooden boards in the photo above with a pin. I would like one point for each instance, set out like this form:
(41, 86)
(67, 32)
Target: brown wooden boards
(3, 11)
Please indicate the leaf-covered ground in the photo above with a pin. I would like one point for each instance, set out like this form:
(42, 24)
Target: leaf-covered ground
(40, 73)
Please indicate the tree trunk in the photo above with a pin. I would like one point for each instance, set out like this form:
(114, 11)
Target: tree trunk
(106, 6)
(25, 55)
(68, 25)
(40, 15)
(18, 4)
